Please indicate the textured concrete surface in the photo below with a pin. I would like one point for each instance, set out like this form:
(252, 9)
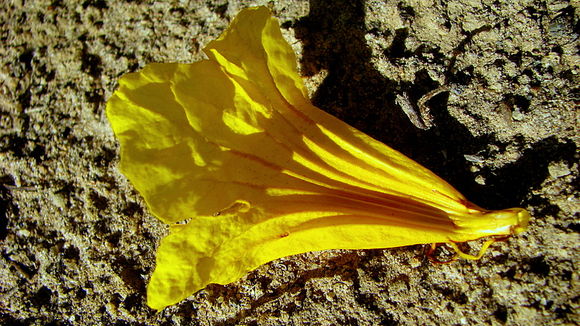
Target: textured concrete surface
(77, 244)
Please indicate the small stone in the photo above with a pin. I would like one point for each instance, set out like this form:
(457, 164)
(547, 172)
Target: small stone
(517, 114)
(558, 170)
(473, 158)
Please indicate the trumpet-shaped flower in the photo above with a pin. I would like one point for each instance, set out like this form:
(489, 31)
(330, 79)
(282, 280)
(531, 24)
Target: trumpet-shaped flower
(233, 145)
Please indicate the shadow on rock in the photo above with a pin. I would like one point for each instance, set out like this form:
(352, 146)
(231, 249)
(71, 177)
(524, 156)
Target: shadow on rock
(333, 35)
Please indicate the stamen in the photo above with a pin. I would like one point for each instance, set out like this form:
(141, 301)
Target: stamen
(472, 257)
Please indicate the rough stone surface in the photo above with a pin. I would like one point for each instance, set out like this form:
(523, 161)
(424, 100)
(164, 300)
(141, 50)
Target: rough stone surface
(78, 245)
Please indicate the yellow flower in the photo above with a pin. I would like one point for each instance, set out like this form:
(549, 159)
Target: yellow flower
(233, 145)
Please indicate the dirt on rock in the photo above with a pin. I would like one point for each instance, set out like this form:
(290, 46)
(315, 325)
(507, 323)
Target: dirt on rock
(78, 243)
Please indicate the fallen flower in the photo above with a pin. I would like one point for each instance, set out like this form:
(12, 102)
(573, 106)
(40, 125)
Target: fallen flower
(234, 145)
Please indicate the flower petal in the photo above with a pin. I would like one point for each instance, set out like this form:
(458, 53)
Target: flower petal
(234, 144)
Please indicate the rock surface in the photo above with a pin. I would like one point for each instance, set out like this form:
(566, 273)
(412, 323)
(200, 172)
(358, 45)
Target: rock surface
(78, 244)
